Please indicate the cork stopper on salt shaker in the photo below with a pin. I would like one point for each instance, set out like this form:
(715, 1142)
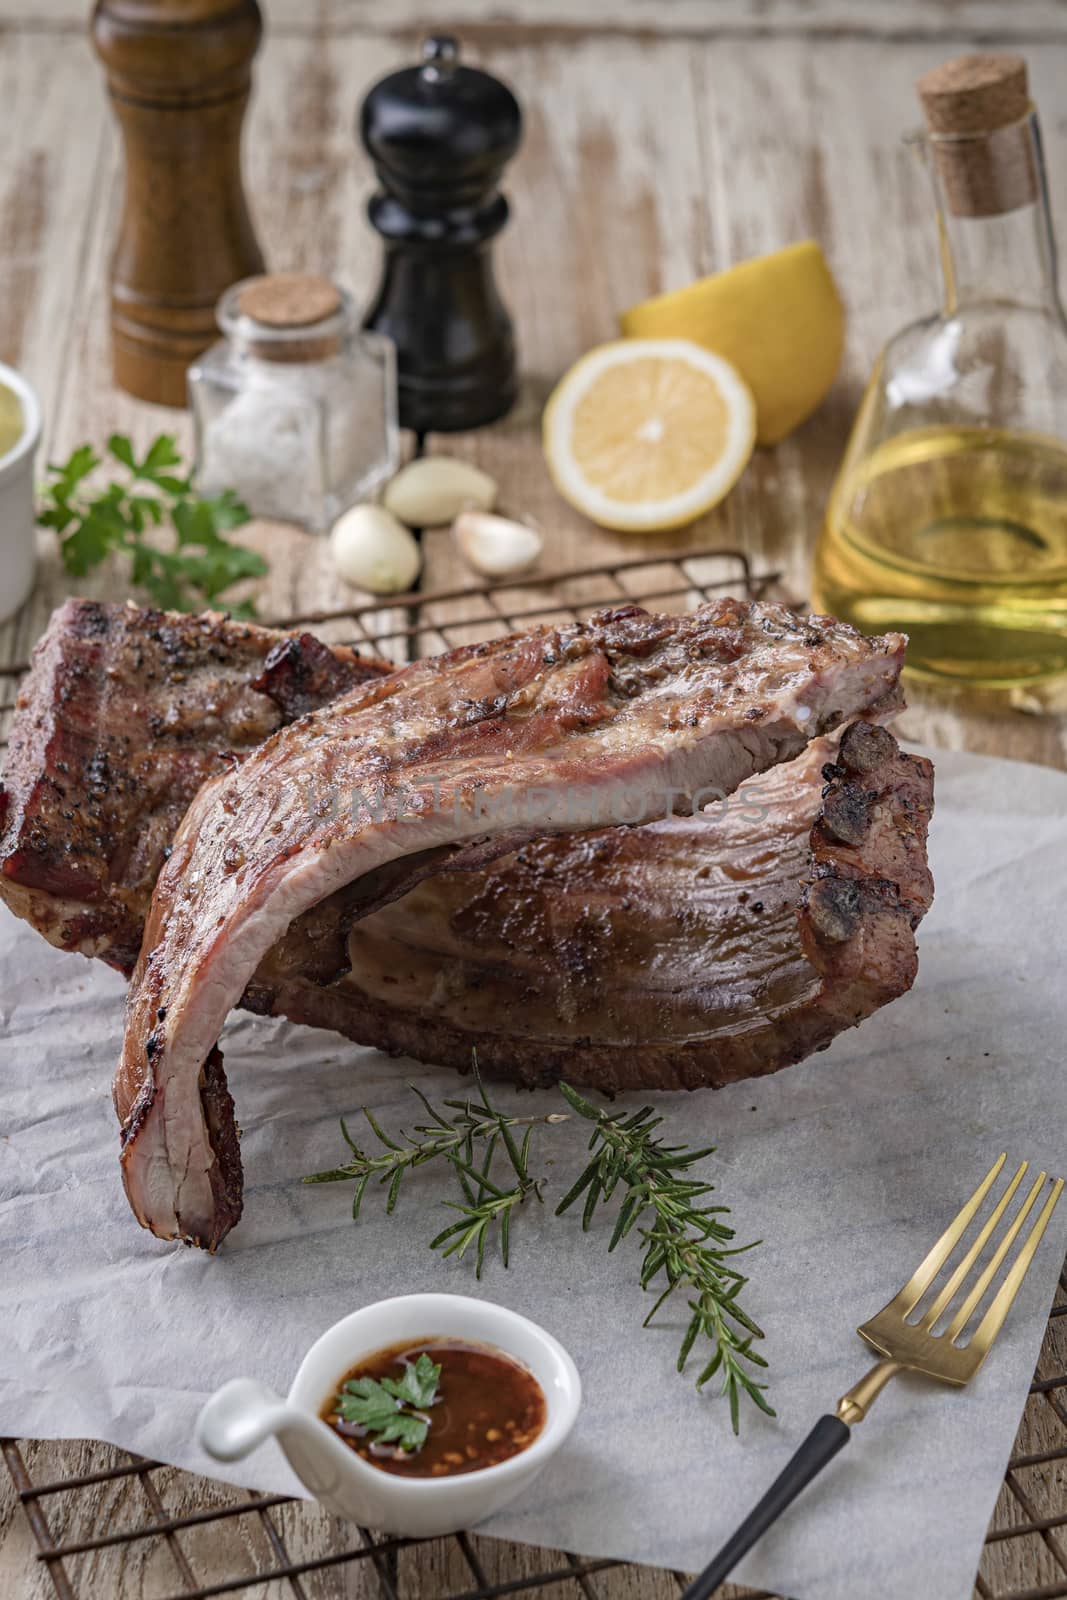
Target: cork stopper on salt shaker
(296, 315)
(977, 111)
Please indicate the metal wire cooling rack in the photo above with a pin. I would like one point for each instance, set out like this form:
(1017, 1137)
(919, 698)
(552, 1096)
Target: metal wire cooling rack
(421, 623)
(125, 1526)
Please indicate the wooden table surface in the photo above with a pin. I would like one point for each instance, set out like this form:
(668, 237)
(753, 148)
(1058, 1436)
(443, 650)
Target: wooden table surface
(664, 139)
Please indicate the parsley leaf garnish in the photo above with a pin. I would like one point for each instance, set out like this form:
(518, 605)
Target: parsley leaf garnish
(390, 1407)
(418, 1386)
(155, 496)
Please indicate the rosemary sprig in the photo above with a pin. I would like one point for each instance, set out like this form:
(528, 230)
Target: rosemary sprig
(474, 1126)
(686, 1244)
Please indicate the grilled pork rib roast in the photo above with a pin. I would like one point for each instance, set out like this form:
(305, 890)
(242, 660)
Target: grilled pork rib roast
(628, 995)
(637, 711)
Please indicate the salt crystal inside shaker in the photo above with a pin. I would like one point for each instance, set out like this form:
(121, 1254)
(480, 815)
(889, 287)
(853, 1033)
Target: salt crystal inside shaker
(295, 408)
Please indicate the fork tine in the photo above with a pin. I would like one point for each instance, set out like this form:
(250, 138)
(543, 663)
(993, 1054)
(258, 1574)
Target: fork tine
(963, 1315)
(928, 1269)
(990, 1324)
(947, 1294)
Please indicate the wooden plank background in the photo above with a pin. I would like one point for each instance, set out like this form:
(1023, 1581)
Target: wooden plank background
(665, 139)
(978, 21)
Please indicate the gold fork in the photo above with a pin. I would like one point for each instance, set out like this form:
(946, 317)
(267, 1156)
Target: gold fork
(910, 1345)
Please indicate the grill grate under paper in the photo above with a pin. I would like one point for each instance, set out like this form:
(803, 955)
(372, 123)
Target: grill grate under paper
(404, 627)
(124, 1527)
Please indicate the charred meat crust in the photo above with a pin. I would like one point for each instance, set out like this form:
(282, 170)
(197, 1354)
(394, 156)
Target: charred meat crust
(227, 1175)
(301, 673)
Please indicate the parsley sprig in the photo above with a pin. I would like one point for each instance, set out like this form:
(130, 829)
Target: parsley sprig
(393, 1408)
(687, 1243)
(154, 496)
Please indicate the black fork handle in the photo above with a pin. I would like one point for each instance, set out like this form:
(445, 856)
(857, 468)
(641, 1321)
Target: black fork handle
(828, 1436)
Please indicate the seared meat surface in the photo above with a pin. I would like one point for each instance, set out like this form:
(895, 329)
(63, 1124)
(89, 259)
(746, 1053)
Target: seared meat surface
(123, 716)
(686, 953)
(643, 713)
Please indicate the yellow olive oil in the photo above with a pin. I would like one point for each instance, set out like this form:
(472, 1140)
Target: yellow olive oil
(958, 537)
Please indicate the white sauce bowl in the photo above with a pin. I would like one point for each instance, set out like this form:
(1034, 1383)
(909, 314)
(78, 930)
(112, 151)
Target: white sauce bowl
(18, 537)
(242, 1414)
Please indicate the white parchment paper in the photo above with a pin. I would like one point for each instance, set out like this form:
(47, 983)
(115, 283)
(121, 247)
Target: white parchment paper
(848, 1165)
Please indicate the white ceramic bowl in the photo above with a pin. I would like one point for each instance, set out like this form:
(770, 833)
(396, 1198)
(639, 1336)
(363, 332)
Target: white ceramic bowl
(18, 538)
(243, 1413)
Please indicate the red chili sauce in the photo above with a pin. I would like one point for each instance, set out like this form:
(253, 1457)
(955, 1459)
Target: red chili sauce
(487, 1407)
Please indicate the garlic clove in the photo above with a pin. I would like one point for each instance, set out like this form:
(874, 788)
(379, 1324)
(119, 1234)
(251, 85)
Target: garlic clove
(372, 550)
(496, 547)
(431, 491)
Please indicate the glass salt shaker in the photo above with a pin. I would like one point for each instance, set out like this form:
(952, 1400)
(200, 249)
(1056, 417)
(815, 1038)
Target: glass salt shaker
(295, 408)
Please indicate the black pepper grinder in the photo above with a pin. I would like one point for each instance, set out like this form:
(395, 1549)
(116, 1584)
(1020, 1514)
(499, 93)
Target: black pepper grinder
(439, 135)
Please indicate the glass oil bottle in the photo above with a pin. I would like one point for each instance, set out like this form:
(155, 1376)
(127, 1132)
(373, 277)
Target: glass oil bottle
(948, 518)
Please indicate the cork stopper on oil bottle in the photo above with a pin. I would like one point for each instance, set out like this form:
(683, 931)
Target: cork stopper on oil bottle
(977, 110)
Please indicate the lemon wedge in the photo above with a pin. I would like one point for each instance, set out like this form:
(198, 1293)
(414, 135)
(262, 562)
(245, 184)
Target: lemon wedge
(646, 434)
(778, 319)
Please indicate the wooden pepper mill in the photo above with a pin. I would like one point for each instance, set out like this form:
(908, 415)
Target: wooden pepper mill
(439, 136)
(179, 74)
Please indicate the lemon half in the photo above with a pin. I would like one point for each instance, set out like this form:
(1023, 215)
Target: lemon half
(777, 318)
(647, 434)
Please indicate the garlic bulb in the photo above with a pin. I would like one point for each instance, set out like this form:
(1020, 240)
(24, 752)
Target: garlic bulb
(372, 550)
(495, 546)
(431, 491)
